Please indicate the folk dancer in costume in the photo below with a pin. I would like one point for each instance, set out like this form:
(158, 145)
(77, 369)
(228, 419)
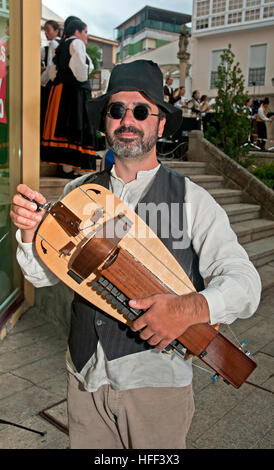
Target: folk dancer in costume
(52, 32)
(120, 381)
(194, 104)
(181, 100)
(261, 119)
(168, 90)
(68, 136)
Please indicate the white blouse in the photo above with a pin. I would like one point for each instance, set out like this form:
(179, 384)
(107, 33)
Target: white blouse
(78, 61)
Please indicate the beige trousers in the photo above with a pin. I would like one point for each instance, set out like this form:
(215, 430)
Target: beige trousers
(141, 418)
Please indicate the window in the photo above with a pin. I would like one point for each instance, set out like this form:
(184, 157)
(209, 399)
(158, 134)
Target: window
(10, 143)
(100, 58)
(96, 81)
(218, 6)
(218, 20)
(235, 17)
(257, 65)
(215, 62)
(202, 24)
(235, 4)
(251, 15)
(253, 3)
(268, 12)
(4, 4)
(203, 7)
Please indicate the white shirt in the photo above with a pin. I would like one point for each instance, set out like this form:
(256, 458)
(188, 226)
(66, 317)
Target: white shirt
(262, 115)
(232, 286)
(51, 53)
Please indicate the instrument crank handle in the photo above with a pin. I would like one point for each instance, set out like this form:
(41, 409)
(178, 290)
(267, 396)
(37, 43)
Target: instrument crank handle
(40, 206)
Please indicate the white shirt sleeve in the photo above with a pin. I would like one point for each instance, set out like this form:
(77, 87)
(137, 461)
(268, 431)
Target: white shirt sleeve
(232, 284)
(52, 71)
(45, 77)
(261, 115)
(77, 63)
(33, 269)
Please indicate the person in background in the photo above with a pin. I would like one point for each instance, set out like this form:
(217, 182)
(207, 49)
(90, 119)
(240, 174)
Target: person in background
(168, 90)
(204, 105)
(261, 119)
(68, 136)
(52, 32)
(194, 103)
(181, 100)
(248, 109)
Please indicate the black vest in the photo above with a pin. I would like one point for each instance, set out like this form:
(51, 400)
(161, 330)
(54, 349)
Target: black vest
(64, 73)
(88, 323)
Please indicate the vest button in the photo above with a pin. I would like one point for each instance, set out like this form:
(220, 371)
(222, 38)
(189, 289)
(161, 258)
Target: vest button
(99, 322)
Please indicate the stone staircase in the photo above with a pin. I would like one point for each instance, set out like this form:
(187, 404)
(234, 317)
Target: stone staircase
(255, 233)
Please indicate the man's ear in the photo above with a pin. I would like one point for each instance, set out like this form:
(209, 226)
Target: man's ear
(161, 127)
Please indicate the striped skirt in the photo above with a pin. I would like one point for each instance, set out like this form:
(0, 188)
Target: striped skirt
(68, 137)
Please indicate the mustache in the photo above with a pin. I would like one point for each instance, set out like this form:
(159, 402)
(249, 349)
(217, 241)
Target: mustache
(131, 129)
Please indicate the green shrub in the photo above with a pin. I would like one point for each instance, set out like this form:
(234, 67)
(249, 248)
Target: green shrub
(265, 173)
(231, 127)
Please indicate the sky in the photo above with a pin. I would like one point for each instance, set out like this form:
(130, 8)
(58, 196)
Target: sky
(103, 16)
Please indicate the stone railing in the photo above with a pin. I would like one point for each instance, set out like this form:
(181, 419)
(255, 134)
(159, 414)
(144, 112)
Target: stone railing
(237, 177)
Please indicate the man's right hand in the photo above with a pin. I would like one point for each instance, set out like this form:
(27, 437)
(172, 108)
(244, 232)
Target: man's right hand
(23, 212)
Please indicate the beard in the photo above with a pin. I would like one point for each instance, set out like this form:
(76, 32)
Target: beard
(131, 148)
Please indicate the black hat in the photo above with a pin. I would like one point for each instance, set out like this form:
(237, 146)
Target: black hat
(141, 75)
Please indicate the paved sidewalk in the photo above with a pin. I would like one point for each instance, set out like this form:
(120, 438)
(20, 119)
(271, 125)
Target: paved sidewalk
(33, 377)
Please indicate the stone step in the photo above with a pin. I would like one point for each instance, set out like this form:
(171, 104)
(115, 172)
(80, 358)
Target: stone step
(48, 170)
(255, 229)
(241, 212)
(226, 196)
(186, 168)
(260, 252)
(266, 273)
(208, 181)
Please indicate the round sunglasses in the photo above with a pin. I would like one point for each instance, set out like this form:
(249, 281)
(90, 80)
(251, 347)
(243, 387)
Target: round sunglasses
(140, 111)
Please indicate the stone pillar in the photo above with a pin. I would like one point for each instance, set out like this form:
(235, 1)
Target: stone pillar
(183, 55)
(183, 67)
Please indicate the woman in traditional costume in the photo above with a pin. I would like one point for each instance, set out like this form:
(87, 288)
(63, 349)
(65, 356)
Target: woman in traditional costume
(68, 136)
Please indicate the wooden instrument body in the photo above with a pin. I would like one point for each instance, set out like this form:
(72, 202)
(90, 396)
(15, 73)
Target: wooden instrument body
(141, 266)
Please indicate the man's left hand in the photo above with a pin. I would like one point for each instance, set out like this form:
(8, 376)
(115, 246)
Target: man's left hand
(168, 316)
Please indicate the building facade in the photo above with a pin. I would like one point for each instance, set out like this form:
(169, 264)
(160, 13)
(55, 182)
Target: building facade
(107, 49)
(148, 29)
(248, 25)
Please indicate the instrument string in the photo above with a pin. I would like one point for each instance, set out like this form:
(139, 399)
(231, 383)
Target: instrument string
(240, 344)
(202, 368)
(143, 246)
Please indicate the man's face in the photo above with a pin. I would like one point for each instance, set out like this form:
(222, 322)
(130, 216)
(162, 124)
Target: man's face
(127, 136)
